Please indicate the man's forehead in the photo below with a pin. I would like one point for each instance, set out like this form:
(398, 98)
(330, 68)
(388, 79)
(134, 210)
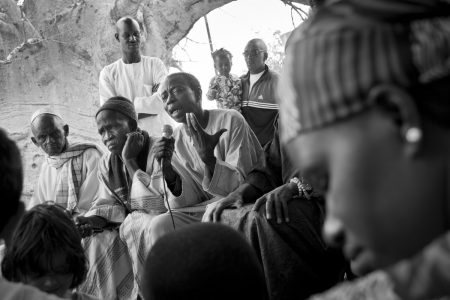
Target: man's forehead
(47, 121)
(127, 25)
(176, 80)
(255, 45)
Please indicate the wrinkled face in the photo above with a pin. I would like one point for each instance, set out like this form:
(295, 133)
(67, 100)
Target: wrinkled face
(113, 127)
(222, 64)
(129, 36)
(57, 282)
(49, 134)
(382, 204)
(178, 98)
(255, 57)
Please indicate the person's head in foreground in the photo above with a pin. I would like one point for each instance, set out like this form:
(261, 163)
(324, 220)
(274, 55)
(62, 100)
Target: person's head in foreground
(11, 181)
(222, 61)
(255, 55)
(181, 93)
(203, 261)
(46, 251)
(366, 116)
(115, 119)
(49, 131)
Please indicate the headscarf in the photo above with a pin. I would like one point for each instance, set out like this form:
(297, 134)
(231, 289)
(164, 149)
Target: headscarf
(349, 47)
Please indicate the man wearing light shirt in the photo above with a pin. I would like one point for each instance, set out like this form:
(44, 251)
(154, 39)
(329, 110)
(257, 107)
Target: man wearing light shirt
(135, 77)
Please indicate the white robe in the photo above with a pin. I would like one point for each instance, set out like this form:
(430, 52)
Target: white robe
(49, 177)
(135, 82)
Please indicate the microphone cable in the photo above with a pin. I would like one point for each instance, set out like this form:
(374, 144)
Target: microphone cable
(165, 193)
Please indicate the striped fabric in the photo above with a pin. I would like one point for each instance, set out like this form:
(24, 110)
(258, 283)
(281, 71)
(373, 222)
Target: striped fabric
(71, 164)
(263, 105)
(336, 57)
(110, 274)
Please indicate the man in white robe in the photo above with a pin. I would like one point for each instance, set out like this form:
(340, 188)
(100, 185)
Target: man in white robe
(135, 77)
(68, 177)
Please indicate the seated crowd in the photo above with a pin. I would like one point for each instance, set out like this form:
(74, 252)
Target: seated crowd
(348, 145)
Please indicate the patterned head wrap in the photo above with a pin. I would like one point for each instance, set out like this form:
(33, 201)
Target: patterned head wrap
(348, 47)
(121, 105)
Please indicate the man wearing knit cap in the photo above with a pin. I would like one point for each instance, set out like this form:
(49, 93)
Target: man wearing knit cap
(68, 177)
(132, 187)
(365, 114)
(135, 77)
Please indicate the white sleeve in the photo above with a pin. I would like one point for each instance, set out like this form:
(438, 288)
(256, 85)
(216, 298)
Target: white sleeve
(105, 87)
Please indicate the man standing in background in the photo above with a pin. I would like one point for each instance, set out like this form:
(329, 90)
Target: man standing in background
(259, 86)
(135, 77)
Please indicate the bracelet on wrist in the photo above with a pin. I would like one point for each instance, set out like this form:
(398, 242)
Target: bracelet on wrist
(304, 189)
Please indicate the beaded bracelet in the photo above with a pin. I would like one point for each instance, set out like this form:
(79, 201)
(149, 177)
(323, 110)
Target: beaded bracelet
(304, 189)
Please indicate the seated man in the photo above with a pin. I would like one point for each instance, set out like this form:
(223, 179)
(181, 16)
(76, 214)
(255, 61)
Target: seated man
(132, 188)
(221, 266)
(11, 180)
(284, 226)
(68, 177)
(212, 161)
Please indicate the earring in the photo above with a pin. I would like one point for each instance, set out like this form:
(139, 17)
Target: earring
(413, 135)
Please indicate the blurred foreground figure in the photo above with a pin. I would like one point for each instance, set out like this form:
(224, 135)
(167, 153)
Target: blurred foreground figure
(46, 252)
(366, 115)
(203, 261)
(11, 180)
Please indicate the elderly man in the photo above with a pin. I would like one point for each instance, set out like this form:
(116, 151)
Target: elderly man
(132, 188)
(11, 179)
(135, 77)
(68, 177)
(259, 96)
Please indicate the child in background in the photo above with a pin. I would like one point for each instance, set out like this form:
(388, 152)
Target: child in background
(46, 252)
(225, 88)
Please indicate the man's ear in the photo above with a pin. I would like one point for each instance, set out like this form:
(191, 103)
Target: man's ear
(400, 106)
(66, 130)
(116, 35)
(34, 141)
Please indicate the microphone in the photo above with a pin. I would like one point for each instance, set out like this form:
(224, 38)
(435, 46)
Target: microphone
(167, 132)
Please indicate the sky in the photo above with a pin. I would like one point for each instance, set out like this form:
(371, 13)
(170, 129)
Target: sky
(231, 27)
